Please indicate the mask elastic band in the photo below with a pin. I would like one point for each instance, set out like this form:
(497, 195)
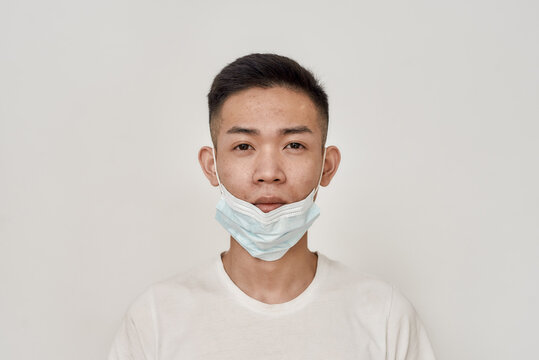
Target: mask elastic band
(216, 172)
(322, 171)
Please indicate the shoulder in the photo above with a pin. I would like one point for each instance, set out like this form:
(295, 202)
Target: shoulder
(170, 301)
(366, 294)
(366, 291)
(381, 307)
(181, 291)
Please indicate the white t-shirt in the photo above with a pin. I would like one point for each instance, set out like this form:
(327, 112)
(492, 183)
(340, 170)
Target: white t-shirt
(204, 315)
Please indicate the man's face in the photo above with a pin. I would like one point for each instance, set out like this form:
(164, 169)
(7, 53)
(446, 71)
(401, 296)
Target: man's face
(269, 146)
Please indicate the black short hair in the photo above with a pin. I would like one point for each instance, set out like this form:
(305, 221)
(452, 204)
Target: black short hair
(265, 71)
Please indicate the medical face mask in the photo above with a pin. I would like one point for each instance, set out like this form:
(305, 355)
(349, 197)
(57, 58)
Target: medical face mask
(266, 236)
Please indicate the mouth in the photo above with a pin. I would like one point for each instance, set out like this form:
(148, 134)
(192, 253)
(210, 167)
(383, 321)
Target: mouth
(268, 203)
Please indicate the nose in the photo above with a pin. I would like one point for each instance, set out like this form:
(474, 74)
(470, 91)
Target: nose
(268, 168)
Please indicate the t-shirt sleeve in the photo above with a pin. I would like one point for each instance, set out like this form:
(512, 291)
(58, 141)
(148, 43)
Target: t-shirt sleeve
(406, 336)
(135, 339)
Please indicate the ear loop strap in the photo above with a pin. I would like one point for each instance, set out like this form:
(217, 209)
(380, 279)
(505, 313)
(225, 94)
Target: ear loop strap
(321, 171)
(216, 172)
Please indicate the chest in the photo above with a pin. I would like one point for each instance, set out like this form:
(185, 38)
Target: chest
(319, 331)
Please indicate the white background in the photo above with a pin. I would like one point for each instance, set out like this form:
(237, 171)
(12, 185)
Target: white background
(434, 105)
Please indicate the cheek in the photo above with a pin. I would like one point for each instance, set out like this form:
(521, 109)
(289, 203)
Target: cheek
(236, 179)
(304, 178)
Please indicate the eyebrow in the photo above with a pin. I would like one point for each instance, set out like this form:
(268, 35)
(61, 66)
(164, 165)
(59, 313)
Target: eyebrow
(241, 130)
(286, 131)
(296, 130)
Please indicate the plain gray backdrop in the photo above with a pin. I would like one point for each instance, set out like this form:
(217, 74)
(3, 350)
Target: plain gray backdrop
(434, 105)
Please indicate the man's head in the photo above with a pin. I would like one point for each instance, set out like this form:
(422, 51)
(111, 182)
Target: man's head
(265, 71)
(268, 133)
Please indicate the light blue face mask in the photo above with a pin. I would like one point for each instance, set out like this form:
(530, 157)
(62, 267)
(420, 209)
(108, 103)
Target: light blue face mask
(266, 236)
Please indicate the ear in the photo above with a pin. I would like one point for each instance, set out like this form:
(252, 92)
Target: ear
(207, 163)
(333, 159)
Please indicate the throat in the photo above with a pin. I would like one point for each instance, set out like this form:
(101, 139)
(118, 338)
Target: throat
(271, 282)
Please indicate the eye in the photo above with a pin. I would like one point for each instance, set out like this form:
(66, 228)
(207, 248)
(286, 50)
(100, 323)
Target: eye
(295, 146)
(243, 147)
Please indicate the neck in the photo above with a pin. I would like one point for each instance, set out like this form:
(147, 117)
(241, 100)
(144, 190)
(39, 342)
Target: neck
(271, 282)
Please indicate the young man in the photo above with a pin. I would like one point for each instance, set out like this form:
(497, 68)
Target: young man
(269, 296)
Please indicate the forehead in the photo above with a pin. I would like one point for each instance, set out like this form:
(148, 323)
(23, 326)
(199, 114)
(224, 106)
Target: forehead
(269, 109)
